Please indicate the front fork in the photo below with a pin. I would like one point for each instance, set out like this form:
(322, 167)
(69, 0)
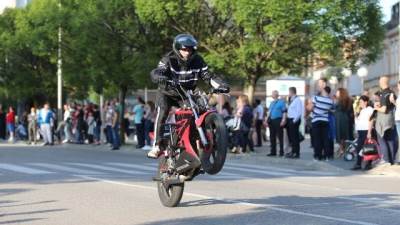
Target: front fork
(199, 128)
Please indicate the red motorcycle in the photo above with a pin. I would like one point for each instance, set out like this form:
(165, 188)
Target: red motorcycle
(195, 144)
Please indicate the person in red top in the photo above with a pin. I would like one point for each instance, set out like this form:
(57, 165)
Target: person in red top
(10, 121)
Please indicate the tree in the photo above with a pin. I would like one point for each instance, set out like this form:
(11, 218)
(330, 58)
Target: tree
(257, 38)
(26, 50)
(108, 46)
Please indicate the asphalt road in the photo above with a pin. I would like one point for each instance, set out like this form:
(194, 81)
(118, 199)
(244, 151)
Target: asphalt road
(91, 185)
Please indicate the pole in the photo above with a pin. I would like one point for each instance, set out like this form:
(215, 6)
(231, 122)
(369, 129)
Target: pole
(102, 115)
(145, 94)
(59, 72)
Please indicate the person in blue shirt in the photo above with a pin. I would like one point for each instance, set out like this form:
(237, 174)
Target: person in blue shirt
(138, 112)
(45, 119)
(276, 122)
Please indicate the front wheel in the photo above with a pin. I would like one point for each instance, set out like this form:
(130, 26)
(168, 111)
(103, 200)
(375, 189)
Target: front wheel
(213, 158)
(170, 196)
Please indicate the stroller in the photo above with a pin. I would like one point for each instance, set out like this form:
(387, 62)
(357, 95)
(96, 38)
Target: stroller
(370, 152)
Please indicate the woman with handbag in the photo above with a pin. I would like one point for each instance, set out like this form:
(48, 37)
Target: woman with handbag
(363, 127)
(244, 119)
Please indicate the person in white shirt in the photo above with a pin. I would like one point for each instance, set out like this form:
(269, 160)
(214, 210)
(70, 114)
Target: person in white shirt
(67, 124)
(259, 118)
(363, 124)
(294, 114)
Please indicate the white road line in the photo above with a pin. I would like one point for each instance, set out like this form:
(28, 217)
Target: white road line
(269, 168)
(135, 166)
(22, 169)
(272, 173)
(65, 168)
(106, 168)
(152, 164)
(243, 203)
(224, 177)
(377, 202)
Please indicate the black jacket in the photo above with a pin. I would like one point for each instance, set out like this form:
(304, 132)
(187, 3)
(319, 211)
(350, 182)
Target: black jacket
(187, 73)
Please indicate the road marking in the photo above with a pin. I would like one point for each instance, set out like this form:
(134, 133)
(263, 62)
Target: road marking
(22, 169)
(266, 170)
(224, 177)
(65, 168)
(272, 173)
(106, 168)
(269, 168)
(243, 203)
(376, 202)
(135, 166)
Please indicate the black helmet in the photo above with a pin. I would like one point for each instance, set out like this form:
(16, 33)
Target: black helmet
(184, 41)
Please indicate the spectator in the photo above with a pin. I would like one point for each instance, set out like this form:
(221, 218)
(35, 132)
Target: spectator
(320, 107)
(363, 127)
(259, 118)
(344, 117)
(97, 129)
(67, 124)
(32, 125)
(397, 122)
(80, 124)
(2, 124)
(223, 107)
(44, 119)
(244, 115)
(115, 128)
(91, 123)
(384, 125)
(138, 112)
(108, 122)
(295, 113)
(246, 123)
(10, 120)
(276, 122)
(149, 118)
(62, 125)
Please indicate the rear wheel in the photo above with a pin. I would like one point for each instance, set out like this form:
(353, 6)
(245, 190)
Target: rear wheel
(213, 160)
(171, 195)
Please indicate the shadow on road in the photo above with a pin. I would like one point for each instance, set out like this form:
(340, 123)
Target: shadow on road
(343, 210)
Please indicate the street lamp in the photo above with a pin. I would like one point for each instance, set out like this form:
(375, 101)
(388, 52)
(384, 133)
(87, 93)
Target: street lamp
(346, 72)
(362, 72)
(59, 72)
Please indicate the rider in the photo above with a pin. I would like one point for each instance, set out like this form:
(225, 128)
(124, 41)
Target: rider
(181, 66)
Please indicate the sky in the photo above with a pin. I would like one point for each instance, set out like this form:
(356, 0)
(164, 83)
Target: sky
(387, 7)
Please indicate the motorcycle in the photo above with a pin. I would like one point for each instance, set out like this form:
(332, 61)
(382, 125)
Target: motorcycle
(195, 144)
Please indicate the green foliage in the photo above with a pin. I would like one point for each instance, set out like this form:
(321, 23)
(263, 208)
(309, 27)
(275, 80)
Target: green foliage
(109, 46)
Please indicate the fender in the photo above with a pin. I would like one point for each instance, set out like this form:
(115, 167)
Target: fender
(201, 119)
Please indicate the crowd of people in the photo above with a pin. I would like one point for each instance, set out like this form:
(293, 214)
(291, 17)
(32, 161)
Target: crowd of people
(81, 124)
(328, 118)
(248, 124)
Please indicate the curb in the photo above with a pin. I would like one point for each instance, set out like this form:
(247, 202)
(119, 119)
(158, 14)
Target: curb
(257, 158)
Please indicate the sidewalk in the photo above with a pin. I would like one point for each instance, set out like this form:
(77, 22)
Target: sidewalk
(306, 161)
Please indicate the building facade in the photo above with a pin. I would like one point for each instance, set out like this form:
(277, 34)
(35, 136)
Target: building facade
(12, 4)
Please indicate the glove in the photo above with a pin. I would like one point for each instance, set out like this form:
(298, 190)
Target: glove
(162, 80)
